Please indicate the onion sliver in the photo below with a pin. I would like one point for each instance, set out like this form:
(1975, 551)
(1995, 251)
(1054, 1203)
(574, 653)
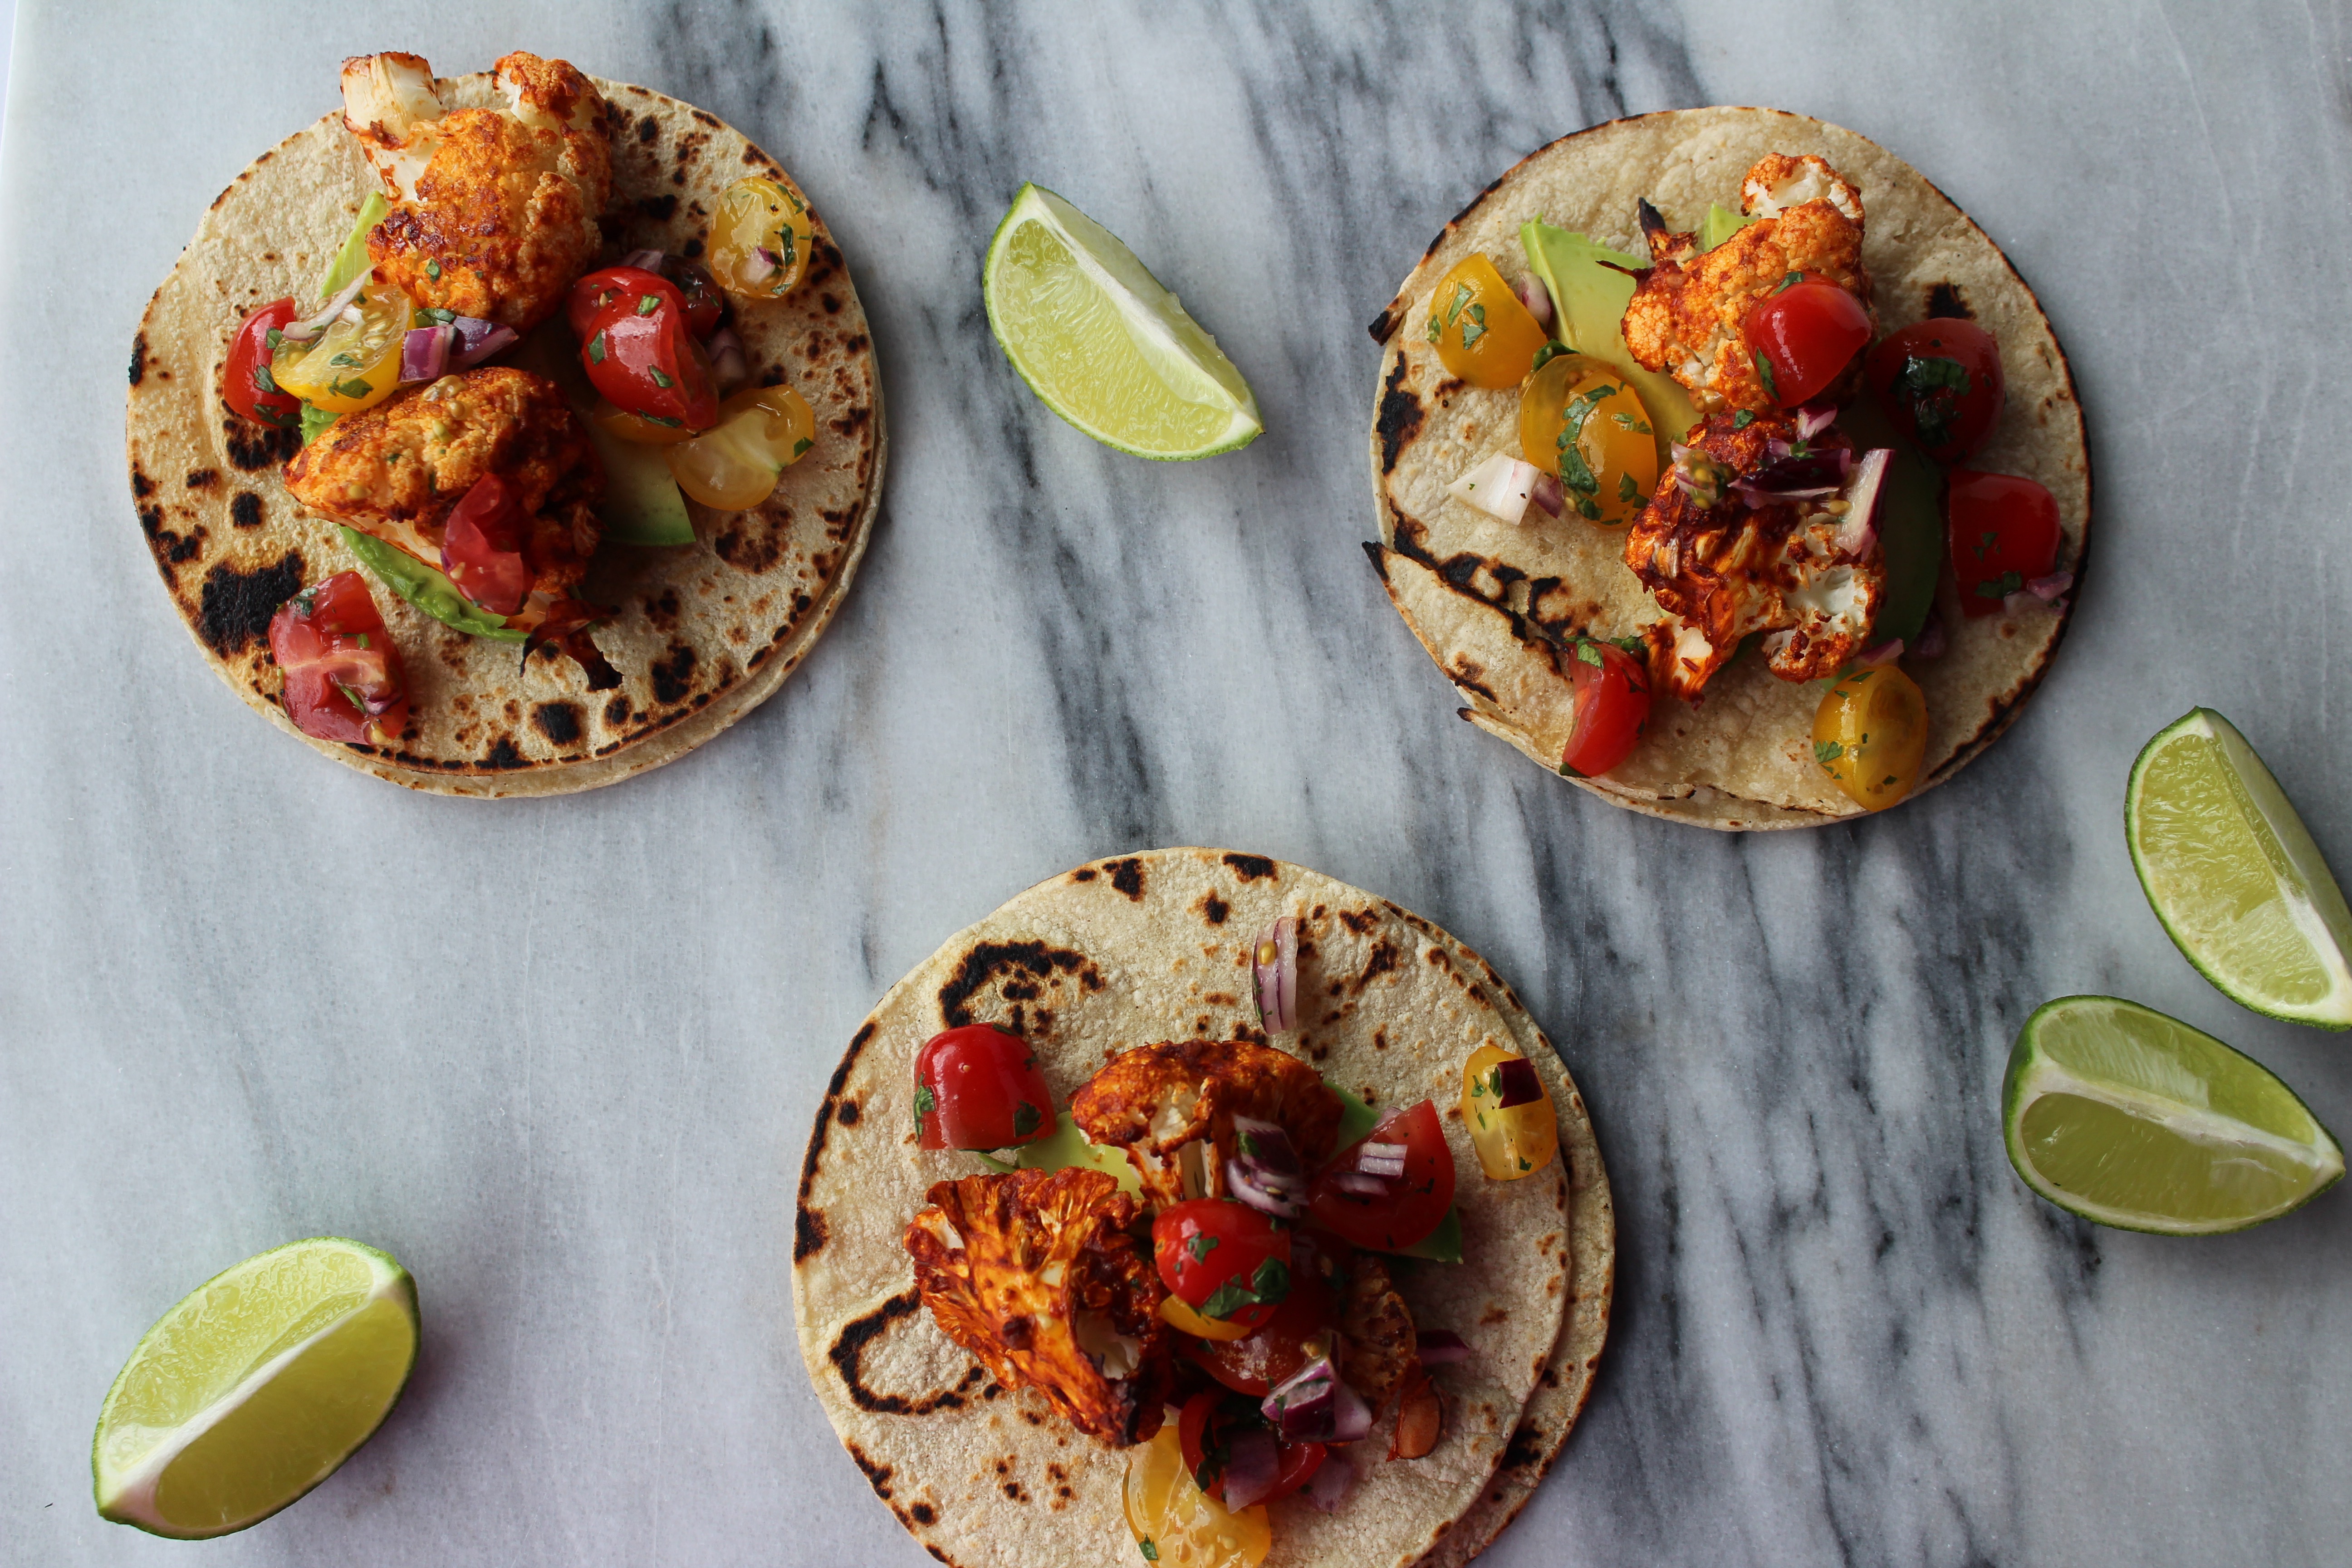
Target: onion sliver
(1535, 298)
(1253, 1466)
(1886, 652)
(1362, 1183)
(303, 332)
(1499, 487)
(643, 260)
(2048, 588)
(424, 353)
(1859, 528)
(477, 339)
(1275, 962)
(1441, 1347)
(728, 363)
(1548, 493)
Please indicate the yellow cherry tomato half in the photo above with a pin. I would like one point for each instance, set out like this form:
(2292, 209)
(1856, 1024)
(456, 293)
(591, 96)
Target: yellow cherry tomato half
(1583, 421)
(760, 240)
(355, 364)
(1870, 734)
(622, 425)
(1185, 1321)
(1512, 1141)
(1482, 331)
(762, 431)
(1177, 1525)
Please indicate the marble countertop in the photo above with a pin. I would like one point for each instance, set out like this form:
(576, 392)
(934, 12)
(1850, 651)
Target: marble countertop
(560, 1057)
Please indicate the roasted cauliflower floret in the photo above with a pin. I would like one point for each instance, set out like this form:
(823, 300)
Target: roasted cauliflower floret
(399, 468)
(1171, 1107)
(1688, 316)
(1721, 571)
(1378, 1344)
(1037, 1276)
(494, 210)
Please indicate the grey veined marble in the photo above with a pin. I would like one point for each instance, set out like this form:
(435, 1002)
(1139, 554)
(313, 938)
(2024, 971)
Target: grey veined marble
(560, 1057)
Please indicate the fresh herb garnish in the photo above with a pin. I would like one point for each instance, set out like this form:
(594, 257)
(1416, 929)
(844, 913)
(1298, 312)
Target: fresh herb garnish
(1790, 281)
(1627, 490)
(1476, 327)
(1150, 1552)
(1933, 387)
(648, 303)
(1200, 1246)
(660, 380)
(1743, 419)
(1587, 652)
(433, 271)
(348, 360)
(353, 389)
(1548, 353)
(925, 1103)
(1272, 1280)
(1025, 1117)
(1827, 752)
(802, 445)
(2000, 587)
(596, 348)
(1764, 374)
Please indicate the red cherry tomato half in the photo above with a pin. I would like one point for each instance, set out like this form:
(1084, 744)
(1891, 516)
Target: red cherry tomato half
(2004, 533)
(1276, 1352)
(600, 291)
(481, 547)
(704, 303)
(343, 680)
(1414, 1203)
(246, 380)
(1612, 693)
(1804, 335)
(1204, 1430)
(1226, 1259)
(1941, 382)
(642, 357)
(978, 1087)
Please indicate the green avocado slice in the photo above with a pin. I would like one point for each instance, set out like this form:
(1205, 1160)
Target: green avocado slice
(1910, 522)
(1588, 298)
(1719, 224)
(427, 588)
(352, 258)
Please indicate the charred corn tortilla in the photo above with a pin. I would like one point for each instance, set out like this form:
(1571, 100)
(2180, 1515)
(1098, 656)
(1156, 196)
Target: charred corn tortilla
(1148, 947)
(702, 634)
(1488, 599)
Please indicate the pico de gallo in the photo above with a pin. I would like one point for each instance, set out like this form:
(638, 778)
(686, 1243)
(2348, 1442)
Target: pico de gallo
(1268, 1215)
(1730, 401)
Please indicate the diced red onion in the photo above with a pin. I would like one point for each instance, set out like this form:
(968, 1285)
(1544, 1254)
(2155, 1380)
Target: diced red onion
(1265, 1172)
(1757, 495)
(1518, 1082)
(1886, 652)
(2047, 589)
(1814, 420)
(1361, 1183)
(1535, 298)
(1332, 1479)
(1380, 1159)
(303, 332)
(1547, 493)
(1930, 644)
(1859, 528)
(728, 363)
(1314, 1406)
(477, 339)
(644, 260)
(424, 353)
(1253, 1466)
(1776, 449)
(1276, 974)
(764, 264)
(1370, 1150)
(1352, 1421)
(1441, 1347)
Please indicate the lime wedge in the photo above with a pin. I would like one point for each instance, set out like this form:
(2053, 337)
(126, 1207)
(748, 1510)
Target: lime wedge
(1096, 336)
(2234, 877)
(255, 1388)
(2115, 1112)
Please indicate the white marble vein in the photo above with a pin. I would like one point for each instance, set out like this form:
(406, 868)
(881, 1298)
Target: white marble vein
(560, 1057)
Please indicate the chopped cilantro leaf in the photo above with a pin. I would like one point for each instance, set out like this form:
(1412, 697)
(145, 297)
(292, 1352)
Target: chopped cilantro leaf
(925, 1103)
(1827, 752)
(433, 271)
(1743, 419)
(1764, 374)
(802, 446)
(1587, 652)
(1627, 490)
(1790, 281)
(1200, 1246)
(1025, 1117)
(596, 348)
(648, 303)
(1150, 1552)
(659, 379)
(1271, 1280)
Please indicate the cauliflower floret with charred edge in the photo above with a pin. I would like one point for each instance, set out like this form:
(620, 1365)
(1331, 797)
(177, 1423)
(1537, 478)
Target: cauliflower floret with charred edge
(398, 470)
(1725, 570)
(1171, 1107)
(1378, 1344)
(494, 210)
(1037, 1275)
(1689, 315)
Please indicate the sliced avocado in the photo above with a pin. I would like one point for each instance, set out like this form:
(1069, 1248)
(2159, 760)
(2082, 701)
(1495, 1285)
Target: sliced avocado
(1588, 298)
(1719, 224)
(1066, 1146)
(352, 258)
(1356, 1118)
(642, 505)
(1910, 522)
(427, 589)
(315, 421)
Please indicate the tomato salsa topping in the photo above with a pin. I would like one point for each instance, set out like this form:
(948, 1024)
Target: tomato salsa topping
(1941, 382)
(1804, 335)
(344, 679)
(1224, 1259)
(246, 380)
(1392, 1189)
(978, 1087)
(2004, 535)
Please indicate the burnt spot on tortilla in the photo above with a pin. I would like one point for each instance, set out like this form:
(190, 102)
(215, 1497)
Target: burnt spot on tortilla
(877, 1476)
(1470, 675)
(849, 1346)
(559, 722)
(808, 1230)
(660, 209)
(617, 712)
(1126, 876)
(1361, 921)
(245, 510)
(662, 610)
(1213, 909)
(1383, 324)
(1947, 303)
(1400, 418)
(1250, 868)
(923, 1513)
(138, 359)
(254, 447)
(673, 676)
(647, 131)
(984, 962)
(235, 607)
(693, 247)
(504, 754)
(203, 478)
(1526, 1447)
(1084, 874)
(1464, 215)
(142, 487)
(847, 1113)
(852, 420)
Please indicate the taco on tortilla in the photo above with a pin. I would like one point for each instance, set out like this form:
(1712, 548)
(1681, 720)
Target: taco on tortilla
(1197, 1204)
(508, 434)
(1726, 468)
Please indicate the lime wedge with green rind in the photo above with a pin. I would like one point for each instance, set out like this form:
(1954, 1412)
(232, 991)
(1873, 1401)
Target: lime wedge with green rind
(2122, 1115)
(2234, 877)
(1102, 343)
(254, 1388)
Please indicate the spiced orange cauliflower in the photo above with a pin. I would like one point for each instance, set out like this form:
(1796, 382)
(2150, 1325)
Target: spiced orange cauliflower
(494, 210)
(1037, 1275)
(1171, 1107)
(1688, 316)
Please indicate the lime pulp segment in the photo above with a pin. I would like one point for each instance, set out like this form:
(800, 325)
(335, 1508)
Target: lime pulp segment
(1102, 343)
(2120, 1114)
(2234, 876)
(254, 1388)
